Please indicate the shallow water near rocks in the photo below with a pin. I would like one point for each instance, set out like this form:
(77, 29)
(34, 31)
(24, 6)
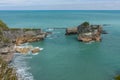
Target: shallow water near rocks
(63, 57)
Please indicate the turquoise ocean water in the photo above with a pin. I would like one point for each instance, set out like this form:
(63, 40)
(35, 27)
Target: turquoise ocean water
(63, 57)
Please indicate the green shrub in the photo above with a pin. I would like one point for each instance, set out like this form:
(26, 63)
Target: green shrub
(1, 32)
(117, 77)
(85, 24)
(3, 26)
(6, 40)
(6, 72)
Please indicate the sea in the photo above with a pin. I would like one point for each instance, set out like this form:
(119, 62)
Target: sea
(64, 57)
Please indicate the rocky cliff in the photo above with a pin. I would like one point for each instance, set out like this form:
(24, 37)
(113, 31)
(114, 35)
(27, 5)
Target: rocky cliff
(9, 37)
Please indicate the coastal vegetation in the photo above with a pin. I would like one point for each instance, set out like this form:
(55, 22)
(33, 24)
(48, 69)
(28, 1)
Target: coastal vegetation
(117, 77)
(3, 26)
(7, 37)
(85, 24)
(6, 72)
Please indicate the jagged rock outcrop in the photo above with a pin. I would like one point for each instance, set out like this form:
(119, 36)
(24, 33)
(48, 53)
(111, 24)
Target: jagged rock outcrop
(16, 36)
(87, 32)
(25, 39)
(35, 50)
(27, 49)
(24, 50)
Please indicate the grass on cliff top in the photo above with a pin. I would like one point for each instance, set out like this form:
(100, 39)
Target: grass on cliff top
(85, 24)
(25, 29)
(6, 72)
(3, 26)
(117, 77)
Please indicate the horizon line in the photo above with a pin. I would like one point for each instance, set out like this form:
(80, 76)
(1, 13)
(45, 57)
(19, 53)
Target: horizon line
(60, 9)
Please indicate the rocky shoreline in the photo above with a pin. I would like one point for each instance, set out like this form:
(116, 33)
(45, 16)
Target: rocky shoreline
(18, 37)
(11, 40)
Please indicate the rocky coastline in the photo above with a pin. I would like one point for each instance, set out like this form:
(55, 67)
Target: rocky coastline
(17, 37)
(11, 40)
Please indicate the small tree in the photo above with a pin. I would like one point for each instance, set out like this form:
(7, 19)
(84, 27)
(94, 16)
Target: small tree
(85, 24)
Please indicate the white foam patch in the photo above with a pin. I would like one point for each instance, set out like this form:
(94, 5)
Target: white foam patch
(35, 53)
(28, 46)
(22, 68)
(90, 42)
(41, 49)
(50, 29)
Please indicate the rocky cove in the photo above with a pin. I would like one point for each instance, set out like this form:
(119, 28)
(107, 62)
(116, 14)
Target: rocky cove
(17, 37)
(13, 38)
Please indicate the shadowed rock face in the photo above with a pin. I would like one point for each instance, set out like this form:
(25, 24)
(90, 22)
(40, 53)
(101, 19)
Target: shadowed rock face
(17, 36)
(20, 36)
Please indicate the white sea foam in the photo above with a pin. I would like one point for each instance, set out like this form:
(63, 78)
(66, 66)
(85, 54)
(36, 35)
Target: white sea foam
(20, 63)
(35, 53)
(41, 49)
(50, 29)
(90, 42)
(22, 68)
(28, 46)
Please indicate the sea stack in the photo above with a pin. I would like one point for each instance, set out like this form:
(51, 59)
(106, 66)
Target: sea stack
(86, 32)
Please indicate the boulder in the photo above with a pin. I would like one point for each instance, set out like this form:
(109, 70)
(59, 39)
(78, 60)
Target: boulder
(35, 50)
(24, 50)
(70, 31)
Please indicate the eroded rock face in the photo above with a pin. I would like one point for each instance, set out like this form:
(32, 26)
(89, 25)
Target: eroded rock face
(22, 50)
(89, 33)
(25, 39)
(27, 49)
(35, 50)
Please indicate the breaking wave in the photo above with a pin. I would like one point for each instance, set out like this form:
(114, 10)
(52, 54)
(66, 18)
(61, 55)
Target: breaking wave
(20, 63)
(22, 69)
